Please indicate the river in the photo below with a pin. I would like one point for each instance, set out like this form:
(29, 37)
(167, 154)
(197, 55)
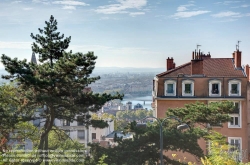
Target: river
(140, 100)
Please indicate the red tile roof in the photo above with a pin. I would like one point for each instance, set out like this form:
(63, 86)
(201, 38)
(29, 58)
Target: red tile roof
(212, 67)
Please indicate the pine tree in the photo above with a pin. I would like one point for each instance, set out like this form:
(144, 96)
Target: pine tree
(58, 83)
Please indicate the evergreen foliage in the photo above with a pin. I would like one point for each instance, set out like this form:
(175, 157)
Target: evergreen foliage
(56, 85)
(145, 146)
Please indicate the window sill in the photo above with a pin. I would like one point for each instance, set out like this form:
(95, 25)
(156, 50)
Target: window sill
(187, 95)
(214, 95)
(234, 126)
(234, 94)
(169, 94)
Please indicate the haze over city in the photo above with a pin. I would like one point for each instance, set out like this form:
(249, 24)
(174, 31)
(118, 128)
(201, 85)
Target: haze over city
(129, 33)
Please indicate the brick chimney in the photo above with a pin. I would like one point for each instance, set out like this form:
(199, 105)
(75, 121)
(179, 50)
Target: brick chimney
(237, 59)
(196, 63)
(170, 63)
(247, 71)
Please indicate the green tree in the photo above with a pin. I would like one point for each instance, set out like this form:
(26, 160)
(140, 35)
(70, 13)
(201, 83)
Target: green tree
(56, 85)
(10, 112)
(124, 117)
(145, 145)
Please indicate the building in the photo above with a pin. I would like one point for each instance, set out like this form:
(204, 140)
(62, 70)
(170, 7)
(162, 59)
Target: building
(206, 79)
(129, 105)
(138, 106)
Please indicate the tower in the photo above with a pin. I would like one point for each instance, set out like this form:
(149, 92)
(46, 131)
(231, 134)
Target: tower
(33, 58)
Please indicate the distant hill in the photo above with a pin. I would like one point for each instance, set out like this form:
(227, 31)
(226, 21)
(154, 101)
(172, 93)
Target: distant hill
(128, 70)
(104, 70)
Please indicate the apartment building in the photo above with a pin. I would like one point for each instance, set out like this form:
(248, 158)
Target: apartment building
(206, 79)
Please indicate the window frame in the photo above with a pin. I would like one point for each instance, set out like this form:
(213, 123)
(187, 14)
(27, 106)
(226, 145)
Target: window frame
(211, 82)
(66, 122)
(234, 115)
(240, 148)
(93, 136)
(166, 87)
(184, 82)
(230, 83)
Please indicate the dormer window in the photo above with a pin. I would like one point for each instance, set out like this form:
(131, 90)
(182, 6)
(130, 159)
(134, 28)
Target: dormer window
(234, 87)
(170, 88)
(214, 88)
(188, 88)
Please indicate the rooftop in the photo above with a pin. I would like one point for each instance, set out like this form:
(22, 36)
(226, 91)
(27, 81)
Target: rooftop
(212, 67)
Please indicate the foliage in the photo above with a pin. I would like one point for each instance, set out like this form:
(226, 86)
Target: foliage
(124, 117)
(101, 161)
(145, 146)
(10, 112)
(220, 153)
(56, 85)
(200, 113)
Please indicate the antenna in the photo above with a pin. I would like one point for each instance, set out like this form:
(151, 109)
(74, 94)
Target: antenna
(238, 45)
(198, 47)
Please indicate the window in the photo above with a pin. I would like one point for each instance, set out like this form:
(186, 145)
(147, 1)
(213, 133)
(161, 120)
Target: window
(93, 136)
(235, 149)
(214, 88)
(170, 88)
(235, 121)
(81, 134)
(234, 87)
(66, 122)
(208, 147)
(188, 88)
(80, 121)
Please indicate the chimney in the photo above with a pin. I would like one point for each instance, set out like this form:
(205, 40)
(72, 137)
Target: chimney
(170, 63)
(196, 63)
(237, 59)
(247, 71)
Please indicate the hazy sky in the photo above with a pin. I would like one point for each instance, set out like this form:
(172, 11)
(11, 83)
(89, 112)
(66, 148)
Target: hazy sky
(131, 33)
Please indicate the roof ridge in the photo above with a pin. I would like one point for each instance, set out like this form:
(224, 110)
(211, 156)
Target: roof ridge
(169, 71)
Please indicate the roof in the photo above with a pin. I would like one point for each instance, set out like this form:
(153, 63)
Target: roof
(212, 67)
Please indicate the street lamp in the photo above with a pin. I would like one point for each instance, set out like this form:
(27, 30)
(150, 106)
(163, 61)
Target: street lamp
(179, 127)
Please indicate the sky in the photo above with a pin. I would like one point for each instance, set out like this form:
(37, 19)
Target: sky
(131, 33)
